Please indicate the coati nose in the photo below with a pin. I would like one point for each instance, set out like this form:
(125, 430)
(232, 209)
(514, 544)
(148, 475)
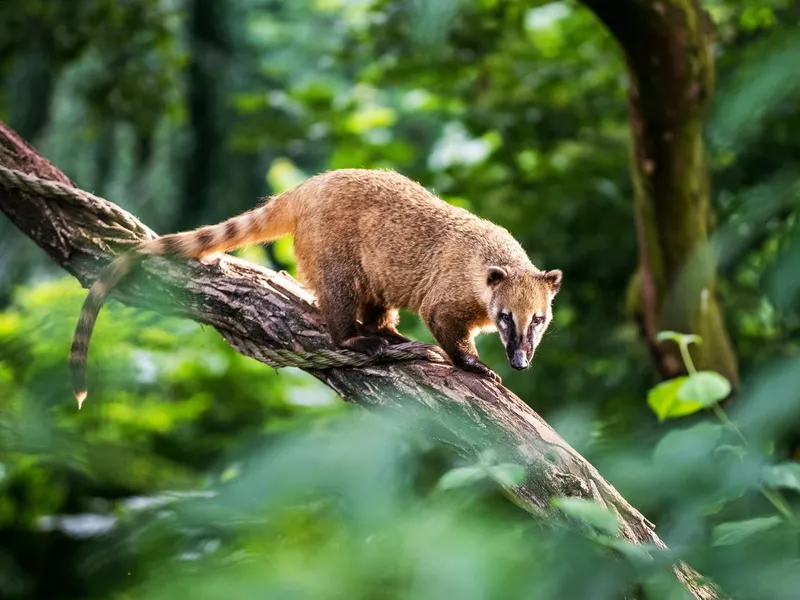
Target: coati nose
(519, 360)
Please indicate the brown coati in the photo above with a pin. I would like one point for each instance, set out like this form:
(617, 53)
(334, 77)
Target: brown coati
(367, 243)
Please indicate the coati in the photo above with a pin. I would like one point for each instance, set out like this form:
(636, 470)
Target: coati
(367, 243)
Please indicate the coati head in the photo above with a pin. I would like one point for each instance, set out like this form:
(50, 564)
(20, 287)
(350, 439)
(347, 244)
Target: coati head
(520, 309)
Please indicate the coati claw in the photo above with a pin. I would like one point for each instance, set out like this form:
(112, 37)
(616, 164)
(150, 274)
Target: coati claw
(473, 365)
(494, 376)
(487, 372)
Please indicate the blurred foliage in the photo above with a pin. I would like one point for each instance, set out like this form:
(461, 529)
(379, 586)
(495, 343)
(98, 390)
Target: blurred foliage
(195, 470)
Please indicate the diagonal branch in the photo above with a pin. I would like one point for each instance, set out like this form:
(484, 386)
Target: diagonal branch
(259, 311)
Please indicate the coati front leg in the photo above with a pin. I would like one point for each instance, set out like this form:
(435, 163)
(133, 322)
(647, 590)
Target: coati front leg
(339, 302)
(455, 338)
(382, 321)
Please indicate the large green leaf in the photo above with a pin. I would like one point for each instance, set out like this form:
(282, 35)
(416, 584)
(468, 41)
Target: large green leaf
(704, 387)
(461, 477)
(785, 475)
(640, 555)
(687, 445)
(589, 512)
(728, 534)
(665, 401)
(508, 473)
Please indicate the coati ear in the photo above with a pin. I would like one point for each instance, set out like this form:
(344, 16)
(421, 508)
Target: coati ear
(495, 275)
(554, 279)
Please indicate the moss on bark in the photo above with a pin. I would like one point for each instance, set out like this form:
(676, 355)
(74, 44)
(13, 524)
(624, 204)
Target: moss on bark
(668, 50)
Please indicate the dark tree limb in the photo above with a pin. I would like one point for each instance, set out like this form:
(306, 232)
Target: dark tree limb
(257, 309)
(668, 49)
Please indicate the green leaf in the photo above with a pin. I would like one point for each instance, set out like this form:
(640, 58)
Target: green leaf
(727, 534)
(705, 387)
(738, 451)
(666, 403)
(769, 447)
(371, 117)
(508, 473)
(589, 512)
(488, 456)
(663, 336)
(785, 475)
(461, 477)
(685, 446)
(283, 174)
(637, 554)
(680, 338)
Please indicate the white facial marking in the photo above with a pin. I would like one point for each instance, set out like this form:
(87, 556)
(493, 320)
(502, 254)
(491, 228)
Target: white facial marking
(523, 327)
(486, 294)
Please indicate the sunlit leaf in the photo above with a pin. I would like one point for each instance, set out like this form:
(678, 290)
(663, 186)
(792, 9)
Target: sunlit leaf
(589, 512)
(680, 338)
(461, 477)
(283, 174)
(728, 534)
(371, 117)
(508, 473)
(488, 456)
(705, 387)
(637, 554)
(666, 403)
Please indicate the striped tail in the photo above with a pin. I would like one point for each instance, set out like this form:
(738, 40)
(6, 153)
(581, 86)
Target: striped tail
(263, 224)
(98, 294)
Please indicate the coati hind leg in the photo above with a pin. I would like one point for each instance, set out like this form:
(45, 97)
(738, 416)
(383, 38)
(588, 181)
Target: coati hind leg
(214, 258)
(339, 302)
(456, 339)
(382, 321)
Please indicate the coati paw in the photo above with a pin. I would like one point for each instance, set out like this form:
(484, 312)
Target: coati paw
(475, 366)
(486, 372)
(211, 259)
(369, 345)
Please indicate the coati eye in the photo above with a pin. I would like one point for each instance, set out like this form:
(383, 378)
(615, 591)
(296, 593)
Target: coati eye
(505, 317)
(538, 320)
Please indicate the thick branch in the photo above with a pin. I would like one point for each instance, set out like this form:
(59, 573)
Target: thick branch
(257, 309)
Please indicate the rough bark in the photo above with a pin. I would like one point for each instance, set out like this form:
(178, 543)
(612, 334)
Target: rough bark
(668, 49)
(254, 309)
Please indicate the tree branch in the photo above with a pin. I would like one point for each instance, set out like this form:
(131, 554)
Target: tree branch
(258, 310)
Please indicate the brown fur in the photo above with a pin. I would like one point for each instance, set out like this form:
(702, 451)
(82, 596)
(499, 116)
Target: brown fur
(370, 242)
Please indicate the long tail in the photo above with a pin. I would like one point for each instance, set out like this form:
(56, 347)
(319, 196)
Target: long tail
(268, 222)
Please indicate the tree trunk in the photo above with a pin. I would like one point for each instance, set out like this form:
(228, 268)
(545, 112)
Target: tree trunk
(668, 50)
(205, 101)
(32, 83)
(259, 311)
